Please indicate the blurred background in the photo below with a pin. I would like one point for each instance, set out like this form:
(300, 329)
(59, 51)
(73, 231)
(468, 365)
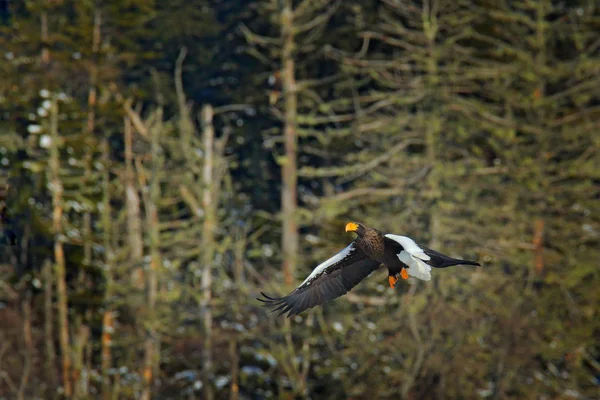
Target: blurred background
(162, 162)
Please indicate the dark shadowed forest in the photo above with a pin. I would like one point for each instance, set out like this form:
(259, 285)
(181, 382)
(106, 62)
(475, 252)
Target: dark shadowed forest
(163, 162)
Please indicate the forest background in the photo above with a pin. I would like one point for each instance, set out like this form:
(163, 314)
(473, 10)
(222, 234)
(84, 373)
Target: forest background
(162, 162)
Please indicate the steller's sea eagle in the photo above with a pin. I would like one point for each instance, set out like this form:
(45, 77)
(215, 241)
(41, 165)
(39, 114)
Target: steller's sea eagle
(335, 277)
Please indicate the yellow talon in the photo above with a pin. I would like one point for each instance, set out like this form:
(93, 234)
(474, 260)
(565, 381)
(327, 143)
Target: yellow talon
(393, 281)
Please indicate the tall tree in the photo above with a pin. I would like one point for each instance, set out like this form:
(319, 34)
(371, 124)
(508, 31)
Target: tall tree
(59, 253)
(467, 125)
(289, 195)
(208, 239)
(299, 99)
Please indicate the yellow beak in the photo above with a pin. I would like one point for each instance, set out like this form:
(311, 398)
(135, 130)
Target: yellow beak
(351, 227)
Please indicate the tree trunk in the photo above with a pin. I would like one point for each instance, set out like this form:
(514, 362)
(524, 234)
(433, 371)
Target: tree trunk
(81, 377)
(91, 120)
(107, 318)
(45, 54)
(134, 231)
(106, 340)
(80, 341)
(59, 255)
(433, 125)
(26, 309)
(234, 359)
(151, 343)
(186, 124)
(238, 280)
(208, 245)
(50, 364)
(132, 201)
(289, 238)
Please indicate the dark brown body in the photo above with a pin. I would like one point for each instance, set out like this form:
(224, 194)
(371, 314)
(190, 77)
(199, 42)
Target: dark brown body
(377, 247)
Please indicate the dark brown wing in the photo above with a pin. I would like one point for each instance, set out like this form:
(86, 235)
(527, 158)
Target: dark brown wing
(331, 279)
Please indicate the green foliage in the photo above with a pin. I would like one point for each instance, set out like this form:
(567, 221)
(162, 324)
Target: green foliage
(468, 125)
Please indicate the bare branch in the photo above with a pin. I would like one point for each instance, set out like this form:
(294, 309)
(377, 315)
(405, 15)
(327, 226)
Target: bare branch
(356, 170)
(136, 120)
(397, 190)
(232, 107)
(320, 19)
(254, 38)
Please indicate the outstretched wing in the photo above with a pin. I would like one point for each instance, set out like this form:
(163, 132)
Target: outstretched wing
(420, 259)
(329, 280)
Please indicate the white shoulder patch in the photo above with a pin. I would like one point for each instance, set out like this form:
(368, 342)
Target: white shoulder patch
(321, 267)
(409, 245)
(413, 256)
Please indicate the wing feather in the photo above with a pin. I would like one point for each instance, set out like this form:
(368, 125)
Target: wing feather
(420, 259)
(413, 256)
(329, 280)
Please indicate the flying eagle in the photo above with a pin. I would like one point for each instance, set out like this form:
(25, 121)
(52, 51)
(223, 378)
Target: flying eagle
(335, 277)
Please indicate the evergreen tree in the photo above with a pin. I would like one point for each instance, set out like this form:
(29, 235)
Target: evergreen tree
(146, 149)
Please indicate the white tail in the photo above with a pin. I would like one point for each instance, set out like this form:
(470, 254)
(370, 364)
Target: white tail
(416, 267)
(413, 256)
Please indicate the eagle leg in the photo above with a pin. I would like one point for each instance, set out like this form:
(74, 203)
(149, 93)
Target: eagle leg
(404, 273)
